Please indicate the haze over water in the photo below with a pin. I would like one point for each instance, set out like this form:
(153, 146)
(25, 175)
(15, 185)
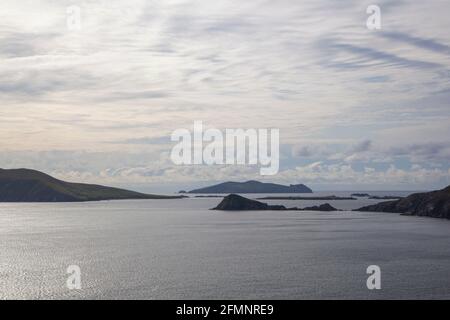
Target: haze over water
(175, 249)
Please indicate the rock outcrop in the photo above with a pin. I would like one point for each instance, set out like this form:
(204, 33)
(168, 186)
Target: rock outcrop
(360, 195)
(308, 198)
(385, 198)
(234, 202)
(434, 204)
(322, 207)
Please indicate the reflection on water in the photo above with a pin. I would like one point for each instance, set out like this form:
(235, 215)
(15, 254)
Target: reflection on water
(162, 249)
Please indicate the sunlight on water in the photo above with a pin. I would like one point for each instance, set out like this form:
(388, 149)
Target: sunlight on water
(171, 249)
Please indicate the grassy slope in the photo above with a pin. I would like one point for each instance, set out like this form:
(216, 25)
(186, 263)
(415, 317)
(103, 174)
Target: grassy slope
(24, 185)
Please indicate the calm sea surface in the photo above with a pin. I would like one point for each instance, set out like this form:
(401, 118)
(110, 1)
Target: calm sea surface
(178, 249)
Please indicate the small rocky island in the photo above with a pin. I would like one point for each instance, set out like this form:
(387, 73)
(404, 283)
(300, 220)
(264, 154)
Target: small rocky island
(385, 197)
(360, 195)
(333, 197)
(366, 195)
(434, 204)
(234, 202)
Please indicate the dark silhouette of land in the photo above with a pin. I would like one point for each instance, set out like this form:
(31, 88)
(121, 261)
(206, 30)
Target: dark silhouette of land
(253, 187)
(209, 196)
(385, 197)
(25, 185)
(234, 202)
(360, 195)
(434, 204)
(308, 198)
(366, 195)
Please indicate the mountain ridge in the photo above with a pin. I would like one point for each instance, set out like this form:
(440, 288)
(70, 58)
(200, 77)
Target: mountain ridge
(252, 186)
(27, 185)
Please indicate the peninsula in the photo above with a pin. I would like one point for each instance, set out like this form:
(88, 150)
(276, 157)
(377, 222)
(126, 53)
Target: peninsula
(25, 185)
(434, 204)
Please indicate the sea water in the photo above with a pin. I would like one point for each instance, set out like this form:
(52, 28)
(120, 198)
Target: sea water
(179, 249)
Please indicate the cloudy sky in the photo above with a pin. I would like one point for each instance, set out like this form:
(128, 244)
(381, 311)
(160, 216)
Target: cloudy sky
(356, 108)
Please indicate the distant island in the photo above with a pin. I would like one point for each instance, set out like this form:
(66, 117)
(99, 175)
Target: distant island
(366, 195)
(209, 196)
(25, 185)
(434, 204)
(253, 187)
(308, 198)
(234, 202)
(385, 197)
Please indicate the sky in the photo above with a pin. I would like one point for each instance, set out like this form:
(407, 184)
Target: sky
(357, 109)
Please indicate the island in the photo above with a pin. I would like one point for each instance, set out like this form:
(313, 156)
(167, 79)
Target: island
(366, 195)
(209, 196)
(434, 204)
(308, 198)
(322, 207)
(253, 186)
(360, 195)
(234, 202)
(26, 185)
(385, 197)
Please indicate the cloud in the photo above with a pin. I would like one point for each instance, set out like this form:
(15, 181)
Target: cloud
(423, 152)
(363, 57)
(135, 72)
(145, 140)
(424, 43)
(301, 151)
(376, 79)
(24, 44)
(339, 174)
(362, 146)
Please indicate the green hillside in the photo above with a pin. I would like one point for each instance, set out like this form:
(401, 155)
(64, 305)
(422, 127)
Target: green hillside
(25, 185)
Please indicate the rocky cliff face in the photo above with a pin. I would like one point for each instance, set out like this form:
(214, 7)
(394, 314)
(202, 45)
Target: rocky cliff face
(234, 202)
(322, 207)
(434, 204)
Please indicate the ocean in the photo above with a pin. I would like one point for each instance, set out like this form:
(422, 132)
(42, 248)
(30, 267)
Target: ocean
(179, 249)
